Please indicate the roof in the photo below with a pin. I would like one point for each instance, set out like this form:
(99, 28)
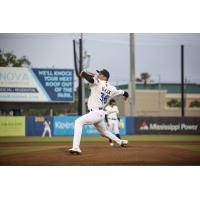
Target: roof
(190, 88)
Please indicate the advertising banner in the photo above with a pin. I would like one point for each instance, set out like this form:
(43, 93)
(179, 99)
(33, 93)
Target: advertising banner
(12, 126)
(36, 126)
(130, 125)
(36, 84)
(171, 125)
(64, 125)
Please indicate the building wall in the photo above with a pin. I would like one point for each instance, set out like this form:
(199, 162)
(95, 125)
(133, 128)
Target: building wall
(188, 98)
(154, 103)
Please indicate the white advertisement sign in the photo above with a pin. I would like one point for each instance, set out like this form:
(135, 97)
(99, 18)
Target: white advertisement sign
(31, 85)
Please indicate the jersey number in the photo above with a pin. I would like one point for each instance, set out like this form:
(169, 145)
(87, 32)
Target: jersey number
(104, 98)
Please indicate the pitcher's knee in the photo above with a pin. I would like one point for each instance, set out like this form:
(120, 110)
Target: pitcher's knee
(79, 121)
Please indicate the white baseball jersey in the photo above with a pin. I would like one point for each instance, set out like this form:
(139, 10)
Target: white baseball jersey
(112, 111)
(101, 92)
(46, 125)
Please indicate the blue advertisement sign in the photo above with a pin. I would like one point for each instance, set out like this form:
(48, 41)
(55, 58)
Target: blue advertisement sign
(90, 130)
(35, 126)
(167, 125)
(18, 84)
(130, 125)
(64, 125)
(57, 83)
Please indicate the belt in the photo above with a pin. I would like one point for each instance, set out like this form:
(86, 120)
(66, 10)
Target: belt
(95, 109)
(112, 118)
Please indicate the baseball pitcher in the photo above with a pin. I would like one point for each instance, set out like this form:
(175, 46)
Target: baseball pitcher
(101, 92)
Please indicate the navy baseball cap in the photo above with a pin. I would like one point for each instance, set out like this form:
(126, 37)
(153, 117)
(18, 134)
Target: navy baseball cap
(104, 72)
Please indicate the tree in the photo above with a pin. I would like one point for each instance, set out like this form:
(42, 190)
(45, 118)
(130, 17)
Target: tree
(174, 103)
(144, 77)
(8, 59)
(195, 103)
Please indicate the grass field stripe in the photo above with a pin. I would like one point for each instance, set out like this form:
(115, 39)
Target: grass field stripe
(135, 138)
(189, 147)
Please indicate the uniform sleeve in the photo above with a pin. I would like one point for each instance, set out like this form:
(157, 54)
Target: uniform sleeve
(96, 81)
(116, 92)
(87, 76)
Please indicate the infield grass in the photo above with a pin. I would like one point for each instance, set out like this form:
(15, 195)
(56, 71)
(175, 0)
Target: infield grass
(139, 138)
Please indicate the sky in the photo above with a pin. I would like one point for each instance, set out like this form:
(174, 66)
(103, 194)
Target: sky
(155, 53)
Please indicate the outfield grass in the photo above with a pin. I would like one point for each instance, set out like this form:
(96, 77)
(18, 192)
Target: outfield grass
(139, 138)
(188, 147)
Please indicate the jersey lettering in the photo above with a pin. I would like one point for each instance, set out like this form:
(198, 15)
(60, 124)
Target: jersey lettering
(104, 98)
(106, 90)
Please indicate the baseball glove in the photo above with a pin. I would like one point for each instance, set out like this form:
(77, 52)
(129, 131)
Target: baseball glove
(120, 125)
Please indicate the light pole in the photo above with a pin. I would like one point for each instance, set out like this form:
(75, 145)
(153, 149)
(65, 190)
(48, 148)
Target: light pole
(182, 82)
(82, 85)
(132, 75)
(85, 63)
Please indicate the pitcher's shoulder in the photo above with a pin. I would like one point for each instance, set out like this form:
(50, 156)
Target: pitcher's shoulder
(112, 87)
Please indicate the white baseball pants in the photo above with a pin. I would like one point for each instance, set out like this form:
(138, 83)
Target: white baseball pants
(96, 118)
(113, 126)
(46, 130)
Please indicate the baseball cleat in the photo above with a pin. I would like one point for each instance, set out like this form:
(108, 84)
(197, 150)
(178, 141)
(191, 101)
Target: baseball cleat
(111, 144)
(124, 143)
(76, 151)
